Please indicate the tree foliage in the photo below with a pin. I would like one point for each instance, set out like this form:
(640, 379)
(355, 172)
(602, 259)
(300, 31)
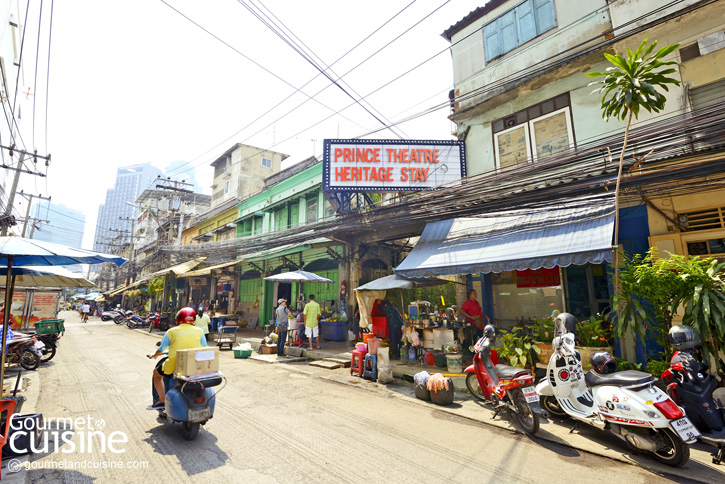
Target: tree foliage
(634, 82)
(654, 289)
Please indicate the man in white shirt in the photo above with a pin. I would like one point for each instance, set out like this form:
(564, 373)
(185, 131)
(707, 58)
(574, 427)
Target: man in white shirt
(86, 310)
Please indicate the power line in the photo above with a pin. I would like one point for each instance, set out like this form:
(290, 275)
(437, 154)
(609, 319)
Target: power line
(292, 94)
(35, 77)
(47, 75)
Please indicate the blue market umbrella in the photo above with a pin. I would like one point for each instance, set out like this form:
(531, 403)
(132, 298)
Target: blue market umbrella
(20, 251)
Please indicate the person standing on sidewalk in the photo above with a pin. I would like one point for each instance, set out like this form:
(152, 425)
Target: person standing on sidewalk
(282, 325)
(202, 321)
(312, 317)
(395, 327)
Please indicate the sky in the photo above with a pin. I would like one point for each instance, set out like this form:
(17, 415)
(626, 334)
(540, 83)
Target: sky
(135, 81)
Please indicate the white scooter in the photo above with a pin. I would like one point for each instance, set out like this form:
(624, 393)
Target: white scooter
(627, 403)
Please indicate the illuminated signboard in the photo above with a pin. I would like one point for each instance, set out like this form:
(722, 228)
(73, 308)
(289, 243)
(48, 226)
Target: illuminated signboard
(359, 165)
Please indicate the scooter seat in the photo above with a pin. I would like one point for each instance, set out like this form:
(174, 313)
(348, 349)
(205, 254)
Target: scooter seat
(506, 372)
(619, 379)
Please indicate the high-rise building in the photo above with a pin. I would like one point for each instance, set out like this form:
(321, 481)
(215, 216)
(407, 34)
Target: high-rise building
(131, 181)
(63, 225)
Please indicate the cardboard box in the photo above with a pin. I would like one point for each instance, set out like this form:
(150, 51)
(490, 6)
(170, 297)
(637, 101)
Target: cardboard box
(197, 361)
(269, 349)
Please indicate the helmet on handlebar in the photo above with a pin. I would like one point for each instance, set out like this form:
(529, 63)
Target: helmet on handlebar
(602, 362)
(566, 321)
(186, 315)
(684, 337)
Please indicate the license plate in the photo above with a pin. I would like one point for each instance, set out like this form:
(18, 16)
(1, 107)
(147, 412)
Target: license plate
(685, 429)
(530, 394)
(199, 415)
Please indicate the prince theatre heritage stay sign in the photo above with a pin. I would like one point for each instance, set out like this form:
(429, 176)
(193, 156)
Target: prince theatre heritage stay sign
(391, 165)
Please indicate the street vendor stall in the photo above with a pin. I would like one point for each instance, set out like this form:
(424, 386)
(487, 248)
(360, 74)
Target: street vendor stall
(436, 329)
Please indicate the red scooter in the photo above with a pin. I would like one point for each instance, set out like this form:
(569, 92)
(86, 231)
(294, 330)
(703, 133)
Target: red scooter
(505, 387)
(157, 322)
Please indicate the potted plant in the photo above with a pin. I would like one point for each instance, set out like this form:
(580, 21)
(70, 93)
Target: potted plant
(592, 336)
(543, 333)
(517, 347)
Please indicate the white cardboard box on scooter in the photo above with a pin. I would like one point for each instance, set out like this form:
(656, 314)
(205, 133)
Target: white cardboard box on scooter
(197, 361)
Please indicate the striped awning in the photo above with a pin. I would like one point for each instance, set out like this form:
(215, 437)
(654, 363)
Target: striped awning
(179, 269)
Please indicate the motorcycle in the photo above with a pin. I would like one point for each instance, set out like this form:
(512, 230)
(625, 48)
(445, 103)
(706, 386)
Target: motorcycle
(110, 315)
(691, 386)
(626, 403)
(135, 321)
(158, 322)
(25, 350)
(189, 401)
(50, 346)
(505, 387)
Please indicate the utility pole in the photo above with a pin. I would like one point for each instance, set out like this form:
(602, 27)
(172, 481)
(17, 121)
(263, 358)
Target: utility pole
(11, 195)
(18, 169)
(30, 197)
(133, 235)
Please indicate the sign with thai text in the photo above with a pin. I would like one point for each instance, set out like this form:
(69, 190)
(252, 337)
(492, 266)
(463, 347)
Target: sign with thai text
(359, 165)
(538, 277)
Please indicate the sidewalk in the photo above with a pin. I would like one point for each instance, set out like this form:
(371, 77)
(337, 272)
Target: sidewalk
(583, 439)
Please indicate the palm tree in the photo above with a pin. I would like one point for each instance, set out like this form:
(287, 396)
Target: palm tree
(632, 83)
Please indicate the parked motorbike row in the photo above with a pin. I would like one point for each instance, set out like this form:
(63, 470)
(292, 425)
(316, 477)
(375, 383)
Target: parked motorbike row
(626, 403)
(134, 321)
(30, 350)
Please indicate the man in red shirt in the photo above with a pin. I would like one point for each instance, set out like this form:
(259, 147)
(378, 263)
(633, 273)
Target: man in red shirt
(473, 312)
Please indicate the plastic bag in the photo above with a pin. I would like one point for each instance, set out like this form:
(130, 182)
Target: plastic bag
(421, 378)
(437, 382)
(351, 336)
(411, 336)
(385, 371)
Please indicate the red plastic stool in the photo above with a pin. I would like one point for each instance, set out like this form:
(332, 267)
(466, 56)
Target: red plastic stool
(359, 365)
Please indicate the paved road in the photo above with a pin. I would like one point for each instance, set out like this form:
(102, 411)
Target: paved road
(278, 423)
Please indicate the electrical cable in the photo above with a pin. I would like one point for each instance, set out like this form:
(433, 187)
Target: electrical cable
(289, 41)
(20, 63)
(35, 77)
(293, 93)
(47, 75)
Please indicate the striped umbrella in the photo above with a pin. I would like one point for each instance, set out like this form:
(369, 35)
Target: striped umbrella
(297, 276)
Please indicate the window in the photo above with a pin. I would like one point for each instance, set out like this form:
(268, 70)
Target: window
(311, 211)
(517, 26)
(533, 133)
(266, 162)
(226, 188)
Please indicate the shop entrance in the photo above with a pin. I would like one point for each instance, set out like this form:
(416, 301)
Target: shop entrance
(586, 290)
(284, 291)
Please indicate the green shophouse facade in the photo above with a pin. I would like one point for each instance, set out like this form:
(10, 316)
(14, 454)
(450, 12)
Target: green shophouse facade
(291, 198)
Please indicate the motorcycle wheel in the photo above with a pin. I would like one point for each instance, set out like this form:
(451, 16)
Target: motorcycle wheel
(151, 328)
(526, 417)
(130, 325)
(118, 320)
(677, 452)
(550, 404)
(29, 360)
(473, 387)
(164, 327)
(50, 353)
(189, 430)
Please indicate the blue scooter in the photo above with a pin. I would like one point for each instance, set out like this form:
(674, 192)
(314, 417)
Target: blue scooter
(189, 401)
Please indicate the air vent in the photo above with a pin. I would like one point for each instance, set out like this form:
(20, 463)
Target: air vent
(708, 219)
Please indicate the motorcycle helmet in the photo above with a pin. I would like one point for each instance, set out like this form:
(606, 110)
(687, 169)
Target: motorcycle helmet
(566, 321)
(490, 332)
(186, 315)
(602, 362)
(683, 337)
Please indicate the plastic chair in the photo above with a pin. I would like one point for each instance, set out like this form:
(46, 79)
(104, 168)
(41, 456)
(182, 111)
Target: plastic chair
(370, 367)
(357, 364)
(7, 407)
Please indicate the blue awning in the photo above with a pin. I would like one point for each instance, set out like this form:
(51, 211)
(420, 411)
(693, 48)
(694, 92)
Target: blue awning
(565, 234)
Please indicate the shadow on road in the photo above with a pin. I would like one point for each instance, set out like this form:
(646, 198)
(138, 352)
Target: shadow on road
(196, 456)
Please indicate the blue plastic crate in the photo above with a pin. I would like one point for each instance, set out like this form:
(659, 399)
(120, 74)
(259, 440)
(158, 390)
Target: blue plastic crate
(333, 331)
